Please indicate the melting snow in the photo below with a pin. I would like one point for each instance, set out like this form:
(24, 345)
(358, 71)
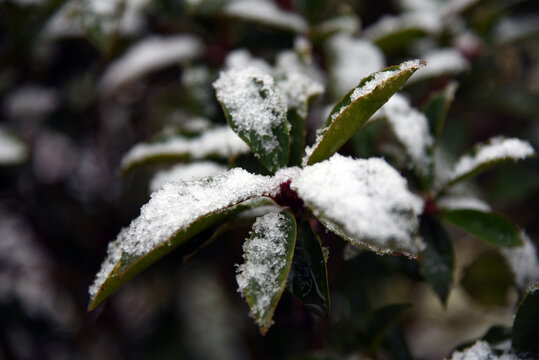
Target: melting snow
(266, 12)
(495, 149)
(255, 107)
(523, 262)
(148, 55)
(221, 141)
(441, 62)
(365, 201)
(185, 172)
(265, 258)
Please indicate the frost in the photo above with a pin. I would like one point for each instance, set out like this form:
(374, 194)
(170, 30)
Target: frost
(12, 150)
(265, 258)
(351, 60)
(411, 128)
(365, 201)
(481, 350)
(389, 25)
(176, 206)
(185, 172)
(220, 141)
(266, 12)
(441, 62)
(496, 149)
(255, 108)
(523, 262)
(148, 55)
(456, 202)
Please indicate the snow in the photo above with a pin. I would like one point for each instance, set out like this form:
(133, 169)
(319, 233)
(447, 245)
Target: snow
(31, 101)
(220, 141)
(253, 103)
(365, 201)
(481, 350)
(177, 205)
(508, 30)
(344, 24)
(523, 262)
(12, 150)
(441, 62)
(496, 149)
(389, 24)
(150, 54)
(185, 172)
(242, 58)
(266, 12)
(456, 202)
(297, 88)
(351, 60)
(265, 258)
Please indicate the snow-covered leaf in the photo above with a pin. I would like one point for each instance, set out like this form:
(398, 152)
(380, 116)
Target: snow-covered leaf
(441, 62)
(175, 213)
(438, 260)
(150, 54)
(220, 142)
(266, 13)
(12, 150)
(391, 32)
(347, 24)
(357, 107)
(185, 172)
(255, 110)
(483, 156)
(411, 129)
(268, 258)
(511, 30)
(523, 263)
(526, 326)
(490, 227)
(351, 59)
(436, 109)
(481, 350)
(308, 279)
(366, 202)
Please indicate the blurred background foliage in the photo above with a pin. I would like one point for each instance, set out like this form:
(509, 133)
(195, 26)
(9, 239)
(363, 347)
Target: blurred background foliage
(62, 199)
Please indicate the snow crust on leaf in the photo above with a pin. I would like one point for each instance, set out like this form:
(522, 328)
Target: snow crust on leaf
(481, 350)
(523, 262)
(496, 149)
(265, 254)
(12, 150)
(242, 58)
(150, 54)
(185, 172)
(255, 107)
(365, 201)
(176, 206)
(220, 141)
(411, 128)
(389, 24)
(456, 202)
(266, 12)
(441, 62)
(351, 60)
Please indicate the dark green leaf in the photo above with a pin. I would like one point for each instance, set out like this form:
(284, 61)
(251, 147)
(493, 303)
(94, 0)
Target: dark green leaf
(383, 320)
(437, 107)
(490, 227)
(526, 325)
(255, 111)
(488, 279)
(357, 107)
(438, 260)
(268, 258)
(297, 137)
(308, 276)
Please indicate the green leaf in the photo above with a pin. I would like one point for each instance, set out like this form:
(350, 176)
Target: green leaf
(526, 325)
(484, 156)
(437, 107)
(220, 142)
(308, 279)
(174, 215)
(438, 260)
(357, 107)
(490, 227)
(268, 258)
(383, 320)
(488, 279)
(255, 111)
